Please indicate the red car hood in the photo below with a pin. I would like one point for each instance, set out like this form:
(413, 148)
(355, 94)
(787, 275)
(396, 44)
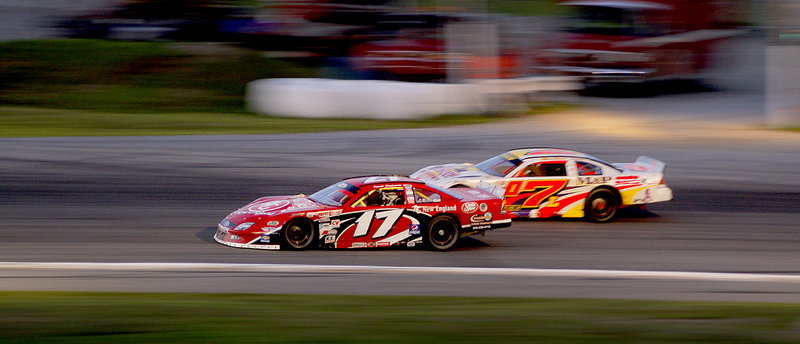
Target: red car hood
(275, 205)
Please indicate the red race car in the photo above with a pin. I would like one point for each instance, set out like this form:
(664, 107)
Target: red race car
(373, 211)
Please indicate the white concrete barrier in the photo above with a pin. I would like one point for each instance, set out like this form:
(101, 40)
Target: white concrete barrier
(782, 105)
(377, 99)
(528, 84)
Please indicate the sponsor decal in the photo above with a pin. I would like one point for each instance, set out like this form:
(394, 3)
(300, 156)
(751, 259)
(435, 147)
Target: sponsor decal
(330, 239)
(484, 207)
(269, 206)
(325, 231)
(627, 180)
(433, 209)
(409, 194)
(268, 230)
(647, 198)
(273, 223)
(359, 245)
(325, 213)
(324, 219)
(482, 226)
(487, 217)
(469, 207)
(414, 229)
(336, 223)
(264, 238)
(384, 244)
(324, 228)
(411, 244)
(303, 205)
(593, 180)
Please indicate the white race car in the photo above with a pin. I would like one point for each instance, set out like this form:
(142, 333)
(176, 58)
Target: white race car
(546, 182)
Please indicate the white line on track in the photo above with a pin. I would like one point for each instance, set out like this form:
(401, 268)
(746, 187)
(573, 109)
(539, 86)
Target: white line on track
(365, 269)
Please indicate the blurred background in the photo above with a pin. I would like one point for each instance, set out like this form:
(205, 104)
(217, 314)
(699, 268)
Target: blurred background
(444, 40)
(596, 42)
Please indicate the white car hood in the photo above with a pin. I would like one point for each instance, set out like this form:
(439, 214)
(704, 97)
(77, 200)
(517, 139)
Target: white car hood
(445, 176)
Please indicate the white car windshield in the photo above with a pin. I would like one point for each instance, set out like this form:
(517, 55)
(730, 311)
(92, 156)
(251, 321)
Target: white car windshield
(498, 166)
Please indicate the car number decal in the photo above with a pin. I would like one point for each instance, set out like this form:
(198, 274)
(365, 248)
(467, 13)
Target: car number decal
(534, 192)
(364, 222)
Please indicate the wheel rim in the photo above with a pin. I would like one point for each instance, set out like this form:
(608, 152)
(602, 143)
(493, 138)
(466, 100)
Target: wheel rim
(297, 235)
(601, 207)
(442, 233)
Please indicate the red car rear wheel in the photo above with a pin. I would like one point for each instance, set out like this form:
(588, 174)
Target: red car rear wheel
(442, 233)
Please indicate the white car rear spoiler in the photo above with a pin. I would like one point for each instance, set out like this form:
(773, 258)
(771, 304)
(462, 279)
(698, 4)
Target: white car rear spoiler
(644, 164)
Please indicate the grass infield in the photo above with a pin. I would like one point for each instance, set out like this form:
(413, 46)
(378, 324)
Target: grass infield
(32, 122)
(78, 87)
(82, 317)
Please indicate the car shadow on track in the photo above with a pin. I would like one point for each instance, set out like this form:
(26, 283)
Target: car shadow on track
(207, 234)
(630, 214)
(467, 243)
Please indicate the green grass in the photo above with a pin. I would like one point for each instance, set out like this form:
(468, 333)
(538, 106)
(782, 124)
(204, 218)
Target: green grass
(134, 77)
(95, 87)
(69, 317)
(35, 122)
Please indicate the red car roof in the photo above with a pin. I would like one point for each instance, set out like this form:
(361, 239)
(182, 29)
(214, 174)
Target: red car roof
(381, 179)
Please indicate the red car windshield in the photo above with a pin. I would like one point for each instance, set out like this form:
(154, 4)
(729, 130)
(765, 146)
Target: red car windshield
(335, 195)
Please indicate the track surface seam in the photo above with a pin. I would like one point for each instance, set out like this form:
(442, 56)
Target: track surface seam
(368, 269)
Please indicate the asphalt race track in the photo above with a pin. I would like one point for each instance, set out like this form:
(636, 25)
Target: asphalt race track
(138, 213)
(732, 233)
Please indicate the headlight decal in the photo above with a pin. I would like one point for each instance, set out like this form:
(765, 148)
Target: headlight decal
(243, 226)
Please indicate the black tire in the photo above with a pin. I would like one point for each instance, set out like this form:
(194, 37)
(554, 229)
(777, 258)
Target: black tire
(299, 235)
(601, 205)
(442, 233)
